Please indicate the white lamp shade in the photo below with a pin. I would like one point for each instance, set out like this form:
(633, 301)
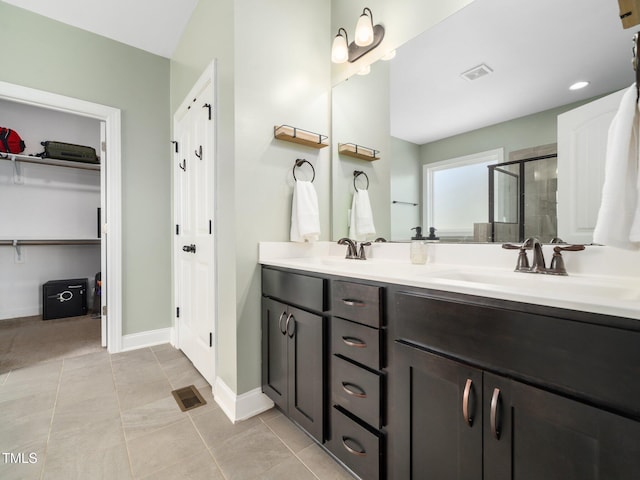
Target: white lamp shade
(339, 50)
(364, 31)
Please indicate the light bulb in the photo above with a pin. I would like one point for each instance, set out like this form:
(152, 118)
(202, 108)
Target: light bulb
(339, 50)
(364, 30)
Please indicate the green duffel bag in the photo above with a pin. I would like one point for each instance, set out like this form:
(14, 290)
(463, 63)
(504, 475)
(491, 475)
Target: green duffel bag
(69, 151)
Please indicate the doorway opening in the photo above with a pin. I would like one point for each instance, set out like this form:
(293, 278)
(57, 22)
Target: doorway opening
(109, 224)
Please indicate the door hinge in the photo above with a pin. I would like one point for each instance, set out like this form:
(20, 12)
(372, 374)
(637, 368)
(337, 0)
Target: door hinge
(103, 146)
(175, 144)
(104, 311)
(210, 227)
(177, 229)
(178, 312)
(210, 339)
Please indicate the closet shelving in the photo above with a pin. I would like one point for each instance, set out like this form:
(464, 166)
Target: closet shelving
(300, 136)
(358, 151)
(20, 243)
(18, 158)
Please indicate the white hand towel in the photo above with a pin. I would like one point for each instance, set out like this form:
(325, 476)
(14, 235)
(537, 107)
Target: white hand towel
(361, 225)
(618, 223)
(305, 215)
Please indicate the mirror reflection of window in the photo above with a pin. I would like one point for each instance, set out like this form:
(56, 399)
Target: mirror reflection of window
(457, 194)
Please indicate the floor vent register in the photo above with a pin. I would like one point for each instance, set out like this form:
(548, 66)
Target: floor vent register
(188, 398)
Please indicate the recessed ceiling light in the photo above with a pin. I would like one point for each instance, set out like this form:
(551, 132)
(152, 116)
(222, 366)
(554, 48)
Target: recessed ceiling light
(578, 85)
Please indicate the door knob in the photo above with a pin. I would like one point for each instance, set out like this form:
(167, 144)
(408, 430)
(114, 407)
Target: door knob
(189, 248)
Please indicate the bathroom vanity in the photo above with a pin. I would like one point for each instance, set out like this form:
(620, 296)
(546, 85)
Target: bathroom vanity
(430, 372)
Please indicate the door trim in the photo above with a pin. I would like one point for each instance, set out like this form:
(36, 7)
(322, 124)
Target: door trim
(113, 218)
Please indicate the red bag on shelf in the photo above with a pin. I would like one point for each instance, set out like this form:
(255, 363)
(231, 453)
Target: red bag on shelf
(10, 141)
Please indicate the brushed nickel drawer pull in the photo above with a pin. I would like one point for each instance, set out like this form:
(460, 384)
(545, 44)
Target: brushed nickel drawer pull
(354, 391)
(468, 391)
(360, 452)
(353, 303)
(495, 418)
(354, 342)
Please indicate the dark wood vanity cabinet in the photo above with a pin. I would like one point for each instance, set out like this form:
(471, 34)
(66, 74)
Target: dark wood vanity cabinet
(293, 347)
(408, 383)
(357, 398)
(478, 394)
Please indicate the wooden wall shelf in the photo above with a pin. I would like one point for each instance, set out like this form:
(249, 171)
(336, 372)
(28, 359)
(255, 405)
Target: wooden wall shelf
(358, 151)
(300, 136)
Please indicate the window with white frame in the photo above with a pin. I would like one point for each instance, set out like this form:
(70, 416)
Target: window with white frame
(456, 193)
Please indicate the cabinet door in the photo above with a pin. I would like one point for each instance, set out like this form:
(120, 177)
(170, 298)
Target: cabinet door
(531, 434)
(438, 405)
(305, 333)
(274, 352)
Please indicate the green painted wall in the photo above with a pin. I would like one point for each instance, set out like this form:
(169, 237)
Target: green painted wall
(48, 55)
(530, 131)
(273, 68)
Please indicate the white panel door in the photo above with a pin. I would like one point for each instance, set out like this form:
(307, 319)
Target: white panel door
(582, 146)
(194, 240)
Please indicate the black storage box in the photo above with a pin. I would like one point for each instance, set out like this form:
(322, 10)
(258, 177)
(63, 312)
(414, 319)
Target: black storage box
(64, 298)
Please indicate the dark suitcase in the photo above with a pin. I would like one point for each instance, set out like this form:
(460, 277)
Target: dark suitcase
(64, 298)
(69, 151)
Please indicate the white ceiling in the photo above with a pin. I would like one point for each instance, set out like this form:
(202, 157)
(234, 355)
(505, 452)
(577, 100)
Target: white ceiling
(152, 25)
(536, 48)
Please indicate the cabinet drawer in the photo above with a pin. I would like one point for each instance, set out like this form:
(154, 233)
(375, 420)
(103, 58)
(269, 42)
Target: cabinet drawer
(356, 390)
(295, 289)
(356, 446)
(355, 341)
(357, 302)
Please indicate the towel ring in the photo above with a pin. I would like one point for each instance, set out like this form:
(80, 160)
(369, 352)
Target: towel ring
(299, 163)
(356, 174)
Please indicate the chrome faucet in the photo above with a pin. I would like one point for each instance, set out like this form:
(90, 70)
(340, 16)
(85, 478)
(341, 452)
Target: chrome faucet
(352, 249)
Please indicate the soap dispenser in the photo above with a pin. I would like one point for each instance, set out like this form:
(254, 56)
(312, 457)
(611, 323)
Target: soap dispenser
(418, 251)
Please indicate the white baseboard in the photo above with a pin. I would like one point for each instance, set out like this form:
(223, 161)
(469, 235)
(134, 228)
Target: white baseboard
(20, 312)
(146, 339)
(240, 407)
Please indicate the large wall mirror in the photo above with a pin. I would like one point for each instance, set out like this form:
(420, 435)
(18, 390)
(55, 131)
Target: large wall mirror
(493, 77)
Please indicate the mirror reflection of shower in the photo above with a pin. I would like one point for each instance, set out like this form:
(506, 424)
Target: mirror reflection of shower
(523, 199)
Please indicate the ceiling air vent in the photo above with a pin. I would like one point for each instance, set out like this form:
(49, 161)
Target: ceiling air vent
(477, 72)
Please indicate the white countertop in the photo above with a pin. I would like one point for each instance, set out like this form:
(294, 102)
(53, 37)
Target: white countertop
(475, 269)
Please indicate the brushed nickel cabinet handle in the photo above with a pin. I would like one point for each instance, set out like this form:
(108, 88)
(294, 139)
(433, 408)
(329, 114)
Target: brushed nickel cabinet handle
(354, 390)
(354, 342)
(468, 392)
(353, 303)
(360, 452)
(282, 331)
(293, 323)
(495, 415)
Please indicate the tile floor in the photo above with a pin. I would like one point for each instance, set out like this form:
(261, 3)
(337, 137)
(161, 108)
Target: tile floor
(101, 416)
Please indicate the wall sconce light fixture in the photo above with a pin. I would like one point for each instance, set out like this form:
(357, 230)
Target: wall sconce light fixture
(367, 37)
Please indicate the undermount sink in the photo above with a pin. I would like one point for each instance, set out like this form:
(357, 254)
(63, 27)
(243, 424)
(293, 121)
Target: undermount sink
(543, 284)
